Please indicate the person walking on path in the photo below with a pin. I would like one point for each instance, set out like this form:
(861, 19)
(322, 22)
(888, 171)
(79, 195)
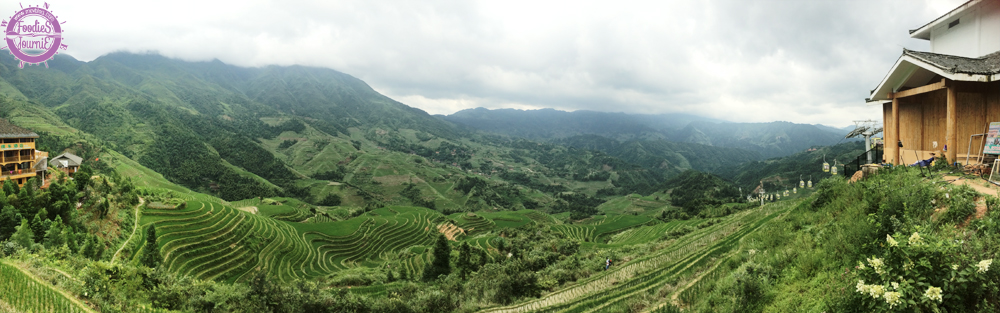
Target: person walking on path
(607, 264)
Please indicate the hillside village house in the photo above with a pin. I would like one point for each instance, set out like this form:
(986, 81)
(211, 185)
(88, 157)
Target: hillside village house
(934, 101)
(19, 161)
(67, 162)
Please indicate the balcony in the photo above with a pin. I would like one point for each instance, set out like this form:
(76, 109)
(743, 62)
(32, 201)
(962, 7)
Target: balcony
(15, 174)
(17, 158)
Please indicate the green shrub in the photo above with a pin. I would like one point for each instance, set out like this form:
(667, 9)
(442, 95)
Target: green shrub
(962, 204)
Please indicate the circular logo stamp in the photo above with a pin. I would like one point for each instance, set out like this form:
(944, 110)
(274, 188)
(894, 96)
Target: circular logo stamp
(33, 35)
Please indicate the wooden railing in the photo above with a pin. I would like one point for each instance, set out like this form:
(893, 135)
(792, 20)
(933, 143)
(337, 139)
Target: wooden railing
(17, 158)
(8, 174)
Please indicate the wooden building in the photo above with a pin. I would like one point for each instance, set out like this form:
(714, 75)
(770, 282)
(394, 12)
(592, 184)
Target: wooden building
(67, 162)
(19, 161)
(935, 101)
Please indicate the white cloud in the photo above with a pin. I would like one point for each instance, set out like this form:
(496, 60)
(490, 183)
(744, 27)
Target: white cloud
(802, 61)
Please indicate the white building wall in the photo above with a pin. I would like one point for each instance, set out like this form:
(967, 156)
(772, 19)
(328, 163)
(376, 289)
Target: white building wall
(989, 36)
(976, 35)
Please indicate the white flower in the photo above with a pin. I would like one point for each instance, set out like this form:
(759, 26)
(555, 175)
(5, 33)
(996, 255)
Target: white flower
(862, 288)
(876, 264)
(876, 291)
(861, 265)
(916, 240)
(892, 298)
(954, 267)
(984, 266)
(895, 285)
(892, 242)
(933, 293)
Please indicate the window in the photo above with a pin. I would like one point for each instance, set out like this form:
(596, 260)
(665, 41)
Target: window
(953, 23)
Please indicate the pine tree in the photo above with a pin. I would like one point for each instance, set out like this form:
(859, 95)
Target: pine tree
(70, 236)
(24, 236)
(151, 255)
(441, 265)
(10, 187)
(483, 258)
(99, 249)
(54, 236)
(464, 263)
(37, 227)
(87, 249)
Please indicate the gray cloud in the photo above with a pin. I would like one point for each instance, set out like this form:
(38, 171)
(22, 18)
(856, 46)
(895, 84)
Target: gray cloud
(801, 61)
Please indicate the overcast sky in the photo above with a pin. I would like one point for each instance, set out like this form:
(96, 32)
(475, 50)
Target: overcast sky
(805, 61)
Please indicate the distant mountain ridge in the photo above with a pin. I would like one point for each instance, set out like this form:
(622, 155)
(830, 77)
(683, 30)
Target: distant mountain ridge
(772, 139)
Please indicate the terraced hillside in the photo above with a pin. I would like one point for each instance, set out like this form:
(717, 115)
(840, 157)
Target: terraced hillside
(600, 227)
(697, 250)
(214, 241)
(24, 293)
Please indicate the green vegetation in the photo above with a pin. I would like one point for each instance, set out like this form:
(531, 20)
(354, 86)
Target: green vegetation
(343, 200)
(27, 294)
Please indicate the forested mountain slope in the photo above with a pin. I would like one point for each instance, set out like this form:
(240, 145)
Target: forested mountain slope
(767, 139)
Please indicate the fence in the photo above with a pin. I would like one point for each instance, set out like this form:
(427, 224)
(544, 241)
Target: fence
(851, 167)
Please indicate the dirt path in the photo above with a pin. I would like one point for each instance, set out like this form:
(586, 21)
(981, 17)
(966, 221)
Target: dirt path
(979, 185)
(134, 228)
(42, 282)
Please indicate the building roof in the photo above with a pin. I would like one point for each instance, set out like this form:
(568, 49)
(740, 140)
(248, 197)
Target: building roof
(924, 32)
(72, 160)
(916, 68)
(986, 65)
(8, 130)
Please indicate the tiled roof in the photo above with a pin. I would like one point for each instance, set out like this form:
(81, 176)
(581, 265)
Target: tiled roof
(8, 130)
(986, 65)
(74, 160)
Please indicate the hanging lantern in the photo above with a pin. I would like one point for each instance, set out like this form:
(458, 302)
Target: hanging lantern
(833, 170)
(802, 183)
(795, 190)
(826, 167)
(810, 184)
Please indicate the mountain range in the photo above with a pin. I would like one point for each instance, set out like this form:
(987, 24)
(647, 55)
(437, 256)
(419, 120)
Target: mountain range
(772, 139)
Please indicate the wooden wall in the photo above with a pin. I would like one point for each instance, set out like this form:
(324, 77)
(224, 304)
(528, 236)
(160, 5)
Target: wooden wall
(889, 131)
(922, 118)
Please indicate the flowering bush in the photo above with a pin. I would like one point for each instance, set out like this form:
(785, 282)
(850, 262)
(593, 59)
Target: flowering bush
(926, 273)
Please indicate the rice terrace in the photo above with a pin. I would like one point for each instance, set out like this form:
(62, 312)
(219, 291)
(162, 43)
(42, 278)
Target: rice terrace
(501, 157)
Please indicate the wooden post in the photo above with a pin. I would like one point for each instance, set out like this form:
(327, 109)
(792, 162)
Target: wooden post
(951, 135)
(895, 133)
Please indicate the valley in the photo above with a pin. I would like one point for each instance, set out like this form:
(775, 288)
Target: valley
(208, 187)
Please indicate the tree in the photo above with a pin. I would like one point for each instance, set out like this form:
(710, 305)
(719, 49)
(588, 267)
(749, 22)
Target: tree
(70, 236)
(24, 235)
(441, 265)
(37, 227)
(330, 200)
(8, 221)
(464, 263)
(54, 236)
(151, 255)
(87, 249)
